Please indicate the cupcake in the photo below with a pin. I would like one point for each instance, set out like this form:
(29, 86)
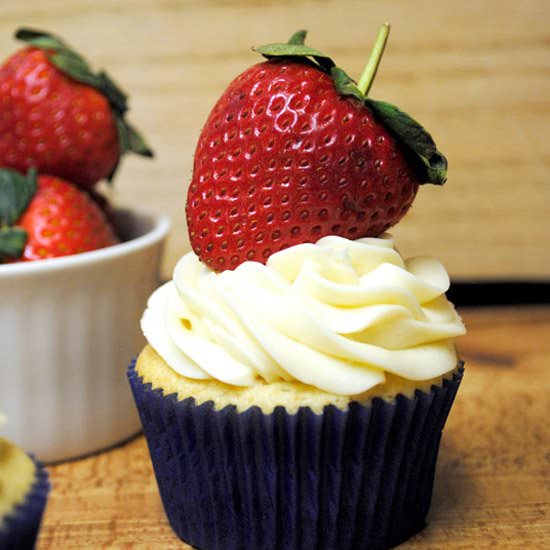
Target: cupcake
(24, 490)
(299, 372)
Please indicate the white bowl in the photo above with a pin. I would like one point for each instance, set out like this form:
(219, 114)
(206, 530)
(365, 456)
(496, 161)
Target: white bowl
(68, 329)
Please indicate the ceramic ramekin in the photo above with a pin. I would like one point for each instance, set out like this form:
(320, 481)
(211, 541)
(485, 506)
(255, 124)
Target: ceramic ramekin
(68, 328)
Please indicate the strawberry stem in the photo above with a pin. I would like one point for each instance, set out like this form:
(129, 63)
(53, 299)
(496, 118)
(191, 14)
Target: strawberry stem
(367, 78)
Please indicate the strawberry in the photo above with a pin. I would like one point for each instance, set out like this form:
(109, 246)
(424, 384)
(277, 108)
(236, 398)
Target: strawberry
(295, 150)
(47, 217)
(59, 116)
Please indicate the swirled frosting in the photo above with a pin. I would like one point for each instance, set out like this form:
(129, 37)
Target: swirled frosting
(337, 315)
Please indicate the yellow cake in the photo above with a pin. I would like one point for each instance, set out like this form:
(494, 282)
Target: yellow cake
(291, 395)
(17, 473)
(24, 488)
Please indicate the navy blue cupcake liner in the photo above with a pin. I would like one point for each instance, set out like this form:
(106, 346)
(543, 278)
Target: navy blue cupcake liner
(354, 479)
(19, 529)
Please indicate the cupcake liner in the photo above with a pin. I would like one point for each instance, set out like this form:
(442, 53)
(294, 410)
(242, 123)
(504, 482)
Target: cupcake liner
(19, 529)
(355, 479)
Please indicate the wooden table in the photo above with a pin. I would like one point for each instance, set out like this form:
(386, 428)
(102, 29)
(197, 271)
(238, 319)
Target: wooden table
(491, 485)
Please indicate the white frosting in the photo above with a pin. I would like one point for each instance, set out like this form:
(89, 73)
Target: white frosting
(336, 314)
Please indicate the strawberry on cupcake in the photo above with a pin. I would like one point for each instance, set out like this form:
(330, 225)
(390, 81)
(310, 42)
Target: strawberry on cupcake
(294, 150)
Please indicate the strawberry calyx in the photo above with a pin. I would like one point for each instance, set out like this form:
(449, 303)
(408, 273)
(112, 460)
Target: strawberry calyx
(16, 191)
(406, 129)
(73, 65)
(12, 242)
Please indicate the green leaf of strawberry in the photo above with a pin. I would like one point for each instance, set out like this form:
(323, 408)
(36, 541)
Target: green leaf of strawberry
(345, 84)
(12, 242)
(40, 39)
(16, 191)
(415, 136)
(296, 48)
(299, 37)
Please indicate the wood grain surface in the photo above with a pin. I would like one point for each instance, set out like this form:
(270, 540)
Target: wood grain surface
(492, 481)
(475, 73)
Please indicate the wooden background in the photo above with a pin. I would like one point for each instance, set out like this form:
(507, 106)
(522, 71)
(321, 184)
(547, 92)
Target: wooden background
(476, 73)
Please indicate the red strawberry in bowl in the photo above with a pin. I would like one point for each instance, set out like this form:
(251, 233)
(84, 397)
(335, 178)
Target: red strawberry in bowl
(295, 150)
(59, 116)
(47, 217)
